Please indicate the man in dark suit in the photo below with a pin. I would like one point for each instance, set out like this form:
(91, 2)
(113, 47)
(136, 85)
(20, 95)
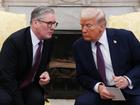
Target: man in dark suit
(110, 53)
(27, 48)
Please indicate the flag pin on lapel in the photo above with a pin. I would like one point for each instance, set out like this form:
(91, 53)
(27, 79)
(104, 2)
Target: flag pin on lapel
(114, 41)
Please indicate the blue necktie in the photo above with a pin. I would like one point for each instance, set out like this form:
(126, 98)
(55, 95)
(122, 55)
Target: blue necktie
(28, 79)
(100, 62)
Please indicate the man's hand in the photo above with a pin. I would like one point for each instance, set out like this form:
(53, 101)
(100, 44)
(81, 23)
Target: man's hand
(104, 93)
(44, 78)
(120, 82)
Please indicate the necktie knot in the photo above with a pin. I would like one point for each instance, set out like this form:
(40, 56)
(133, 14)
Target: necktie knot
(40, 43)
(97, 43)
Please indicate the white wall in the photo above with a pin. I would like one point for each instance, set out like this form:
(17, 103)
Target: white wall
(68, 12)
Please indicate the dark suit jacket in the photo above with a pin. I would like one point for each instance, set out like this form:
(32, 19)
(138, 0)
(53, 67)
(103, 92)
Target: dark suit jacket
(16, 61)
(125, 57)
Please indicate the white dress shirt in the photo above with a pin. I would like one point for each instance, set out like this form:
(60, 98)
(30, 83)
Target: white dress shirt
(35, 45)
(107, 59)
(106, 55)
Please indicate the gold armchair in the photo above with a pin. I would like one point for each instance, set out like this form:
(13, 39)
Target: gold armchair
(9, 23)
(128, 21)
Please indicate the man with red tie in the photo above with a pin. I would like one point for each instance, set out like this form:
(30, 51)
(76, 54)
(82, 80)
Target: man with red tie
(104, 58)
(24, 60)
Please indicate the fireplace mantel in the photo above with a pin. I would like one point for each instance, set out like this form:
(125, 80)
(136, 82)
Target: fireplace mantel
(71, 2)
(68, 11)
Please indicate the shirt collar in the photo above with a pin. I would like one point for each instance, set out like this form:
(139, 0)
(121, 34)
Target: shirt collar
(34, 38)
(103, 38)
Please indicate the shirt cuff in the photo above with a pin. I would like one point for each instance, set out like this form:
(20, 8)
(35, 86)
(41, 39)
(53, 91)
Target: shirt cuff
(130, 85)
(96, 87)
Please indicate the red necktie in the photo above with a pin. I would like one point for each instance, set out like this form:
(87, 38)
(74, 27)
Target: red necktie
(100, 62)
(34, 69)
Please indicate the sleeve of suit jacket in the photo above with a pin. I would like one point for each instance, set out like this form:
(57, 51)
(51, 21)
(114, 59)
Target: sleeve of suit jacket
(8, 62)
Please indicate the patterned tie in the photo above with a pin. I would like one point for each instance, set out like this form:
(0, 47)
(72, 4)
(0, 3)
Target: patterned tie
(100, 62)
(35, 67)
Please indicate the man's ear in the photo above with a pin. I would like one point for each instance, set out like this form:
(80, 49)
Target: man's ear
(102, 27)
(103, 24)
(35, 23)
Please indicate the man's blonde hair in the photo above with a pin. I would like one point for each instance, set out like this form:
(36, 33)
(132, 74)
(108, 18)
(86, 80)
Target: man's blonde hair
(89, 13)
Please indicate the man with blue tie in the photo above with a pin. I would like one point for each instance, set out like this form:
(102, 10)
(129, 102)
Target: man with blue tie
(104, 58)
(24, 60)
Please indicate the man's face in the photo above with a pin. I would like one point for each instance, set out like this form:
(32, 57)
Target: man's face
(44, 27)
(91, 30)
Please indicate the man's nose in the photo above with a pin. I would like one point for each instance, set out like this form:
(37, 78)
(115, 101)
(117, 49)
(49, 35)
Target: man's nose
(84, 29)
(53, 26)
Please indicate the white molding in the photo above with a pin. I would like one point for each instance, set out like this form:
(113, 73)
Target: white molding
(68, 10)
(58, 3)
(12, 4)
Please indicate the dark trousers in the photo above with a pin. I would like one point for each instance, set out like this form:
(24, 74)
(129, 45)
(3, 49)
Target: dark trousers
(32, 95)
(92, 98)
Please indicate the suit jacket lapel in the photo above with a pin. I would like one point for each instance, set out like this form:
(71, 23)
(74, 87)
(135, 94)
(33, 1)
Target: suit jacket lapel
(113, 47)
(29, 46)
(46, 53)
(90, 58)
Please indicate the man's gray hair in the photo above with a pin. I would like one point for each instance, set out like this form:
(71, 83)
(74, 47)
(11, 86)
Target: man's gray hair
(40, 11)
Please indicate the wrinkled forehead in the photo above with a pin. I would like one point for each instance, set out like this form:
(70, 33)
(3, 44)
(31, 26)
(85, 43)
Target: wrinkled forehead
(88, 20)
(49, 17)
